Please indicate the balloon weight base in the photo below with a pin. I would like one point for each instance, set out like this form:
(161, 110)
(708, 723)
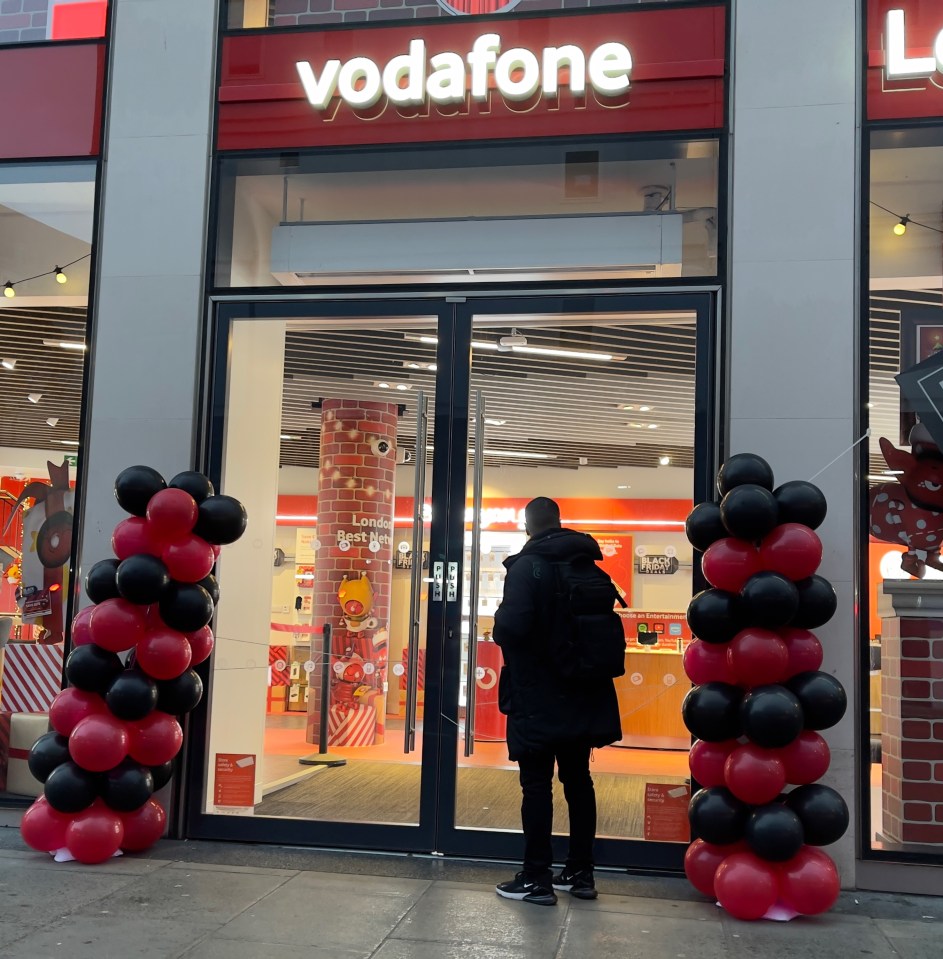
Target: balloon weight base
(322, 759)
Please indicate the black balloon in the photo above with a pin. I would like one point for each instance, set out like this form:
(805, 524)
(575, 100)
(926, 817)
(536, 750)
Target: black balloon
(127, 787)
(180, 695)
(801, 502)
(92, 668)
(162, 774)
(822, 698)
(749, 512)
(196, 484)
(135, 486)
(132, 695)
(771, 716)
(47, 753)
(100, 581)
(211, 586)
(817, 602)
(822, 811)
(711, 711)
(142, 579)
(186, 607)
(743, 468)
(717, 816)
(70, 788)
(714, 616)
(704, 526)
(769, 600)
(222, 520)
(774, 832)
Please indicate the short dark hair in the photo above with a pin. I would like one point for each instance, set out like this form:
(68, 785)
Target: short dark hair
(541, 514)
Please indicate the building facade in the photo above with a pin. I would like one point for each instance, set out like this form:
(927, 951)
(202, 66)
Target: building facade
(385, 282)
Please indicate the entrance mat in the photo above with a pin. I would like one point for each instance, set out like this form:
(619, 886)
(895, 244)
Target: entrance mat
(364, 791)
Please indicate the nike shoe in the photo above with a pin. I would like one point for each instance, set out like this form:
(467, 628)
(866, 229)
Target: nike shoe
(526, 890)
(579, 883)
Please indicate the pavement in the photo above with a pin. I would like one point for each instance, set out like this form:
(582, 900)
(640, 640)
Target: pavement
(203, 900)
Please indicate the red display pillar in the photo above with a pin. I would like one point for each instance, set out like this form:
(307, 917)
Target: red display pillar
(912, 713)
(354, 568)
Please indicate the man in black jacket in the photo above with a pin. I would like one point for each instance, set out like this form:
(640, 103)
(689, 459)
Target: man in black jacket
(551, 720)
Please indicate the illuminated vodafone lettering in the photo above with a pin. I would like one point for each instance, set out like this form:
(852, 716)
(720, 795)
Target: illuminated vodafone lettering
(898, 65)
(409, 79)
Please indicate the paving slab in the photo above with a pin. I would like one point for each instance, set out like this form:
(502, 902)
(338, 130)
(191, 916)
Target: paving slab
(639, 906)
(828, 936)
(108, 937)
(353, 913)
(415, 949)
(230, 949)
(639, 937)
(36, 896)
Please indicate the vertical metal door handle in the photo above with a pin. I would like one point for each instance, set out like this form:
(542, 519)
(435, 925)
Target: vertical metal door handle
(415, 596)
(471, 669)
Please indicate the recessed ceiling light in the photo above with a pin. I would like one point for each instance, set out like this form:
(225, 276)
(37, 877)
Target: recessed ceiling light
(644, 409)
(628, 407)
(69, 442)
(53, 421)
(403, 386)
(623, 487)
(516, 454)
(286, 436)
(8, 364)
(491, 422)
(869, 406)
(664, 460)
(653, 426)
(533, 350)
(34, 397)
(65, 344)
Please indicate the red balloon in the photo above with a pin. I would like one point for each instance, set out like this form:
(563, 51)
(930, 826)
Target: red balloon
(201, 645)
(804, 648)
(155, 739)
(746, 885)
(216, 550)
(73, 705)
(117, 625)
(44, 828)
(99, 743)
(171, 515)
(189, 560)
(791, 549)
(809, 882)
(81, 636)
(144, 826)
(163, 653)
(805, 759)
(133, 536)
(95, 835)
(758, 657)
(754, 774)
(707, 761)
(701, 861)
(707, 663)
(729, 563)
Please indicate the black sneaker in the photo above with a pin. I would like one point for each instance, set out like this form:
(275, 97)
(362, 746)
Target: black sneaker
(579, 883)
(526, 890)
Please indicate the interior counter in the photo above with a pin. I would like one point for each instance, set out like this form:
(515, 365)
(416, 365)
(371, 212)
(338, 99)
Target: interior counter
(650, 696)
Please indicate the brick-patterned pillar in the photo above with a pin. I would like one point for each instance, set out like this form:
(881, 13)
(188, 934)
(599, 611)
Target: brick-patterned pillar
(912, 714)
(356, 489)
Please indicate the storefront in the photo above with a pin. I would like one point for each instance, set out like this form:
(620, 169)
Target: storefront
(902, 664)
(50, 143)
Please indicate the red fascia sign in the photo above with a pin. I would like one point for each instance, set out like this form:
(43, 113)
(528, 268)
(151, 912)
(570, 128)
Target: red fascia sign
(635, 71)
(905, 59)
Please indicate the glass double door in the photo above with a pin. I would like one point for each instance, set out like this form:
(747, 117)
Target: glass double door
(410, 436)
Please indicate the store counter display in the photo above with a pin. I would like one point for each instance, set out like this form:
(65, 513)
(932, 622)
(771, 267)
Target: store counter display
(650, 696)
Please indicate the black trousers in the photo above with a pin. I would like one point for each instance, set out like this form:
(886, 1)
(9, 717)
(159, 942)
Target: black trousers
(572, 762)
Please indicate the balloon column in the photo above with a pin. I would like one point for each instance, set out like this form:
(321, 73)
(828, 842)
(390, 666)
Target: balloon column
(115, 730)
(760, 699)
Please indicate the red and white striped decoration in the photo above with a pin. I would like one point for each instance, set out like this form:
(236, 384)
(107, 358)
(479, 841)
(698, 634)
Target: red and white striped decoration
(422, 670)
(279, 654)
(351, 726)
(32, 677)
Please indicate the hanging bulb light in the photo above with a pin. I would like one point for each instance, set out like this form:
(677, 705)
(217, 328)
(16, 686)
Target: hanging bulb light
(901, 228)
(60, 276)
(8, 290)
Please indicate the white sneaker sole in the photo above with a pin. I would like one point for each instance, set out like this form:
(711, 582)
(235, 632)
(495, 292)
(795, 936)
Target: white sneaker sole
(522, 897)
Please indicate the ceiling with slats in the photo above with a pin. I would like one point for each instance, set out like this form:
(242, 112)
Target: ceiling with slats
(51, 371)
(562, 410)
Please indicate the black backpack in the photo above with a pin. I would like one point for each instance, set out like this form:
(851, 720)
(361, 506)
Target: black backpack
(586, 635)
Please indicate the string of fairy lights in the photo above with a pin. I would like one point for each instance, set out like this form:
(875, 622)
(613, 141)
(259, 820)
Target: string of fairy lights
(10, 286)
(900, 227)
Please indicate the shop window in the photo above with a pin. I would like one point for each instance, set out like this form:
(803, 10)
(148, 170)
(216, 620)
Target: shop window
(904, 626)
(598, 210)
(248, 14)
(46, 217)
(23, 21)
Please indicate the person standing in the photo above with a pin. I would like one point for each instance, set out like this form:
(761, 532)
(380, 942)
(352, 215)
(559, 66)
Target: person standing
(553, 719)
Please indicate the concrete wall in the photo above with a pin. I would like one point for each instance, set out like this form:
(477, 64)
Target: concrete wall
(793, 303)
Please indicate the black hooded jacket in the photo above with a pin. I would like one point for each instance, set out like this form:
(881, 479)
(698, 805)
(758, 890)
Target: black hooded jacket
(544, 709)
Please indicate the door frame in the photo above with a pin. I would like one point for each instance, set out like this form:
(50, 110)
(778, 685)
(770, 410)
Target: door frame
(436, 832)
